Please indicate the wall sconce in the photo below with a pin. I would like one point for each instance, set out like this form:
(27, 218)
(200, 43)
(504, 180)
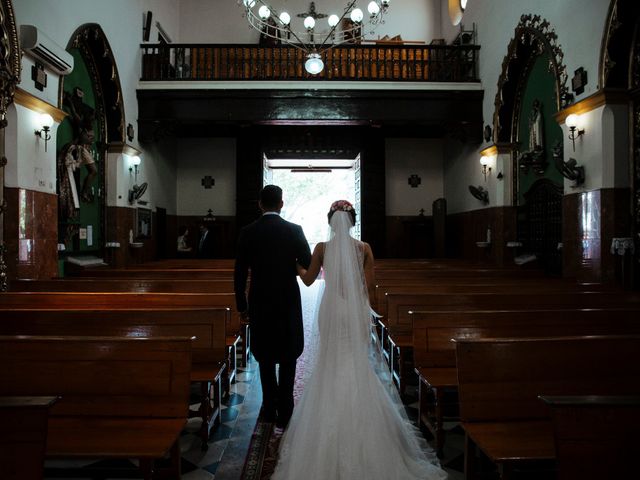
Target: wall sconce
(137, 190)
(574, 132)
(135, 163)
(484, 161)
(46, 122)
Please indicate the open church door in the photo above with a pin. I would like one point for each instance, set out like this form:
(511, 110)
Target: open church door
(267, 173)
(357, 204)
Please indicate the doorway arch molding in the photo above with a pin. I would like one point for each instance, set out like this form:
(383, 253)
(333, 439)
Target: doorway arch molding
(94, 47)
(533, 36)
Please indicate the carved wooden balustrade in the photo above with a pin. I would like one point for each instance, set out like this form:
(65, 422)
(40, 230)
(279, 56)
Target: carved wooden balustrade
(410, 63)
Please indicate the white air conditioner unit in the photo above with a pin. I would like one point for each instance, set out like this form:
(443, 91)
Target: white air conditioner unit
(42, 48)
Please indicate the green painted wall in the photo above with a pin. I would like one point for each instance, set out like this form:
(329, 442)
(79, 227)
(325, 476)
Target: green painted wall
(540, 86)
(90, 213)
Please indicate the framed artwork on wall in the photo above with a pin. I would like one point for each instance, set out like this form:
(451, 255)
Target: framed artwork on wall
(143, 223)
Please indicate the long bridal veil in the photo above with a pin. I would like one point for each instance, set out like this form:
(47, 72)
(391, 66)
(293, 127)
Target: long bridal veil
(347, 423)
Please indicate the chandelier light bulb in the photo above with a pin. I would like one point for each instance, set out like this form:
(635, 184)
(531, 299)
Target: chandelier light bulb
(373, 8)
(309, 23)
(285, 18)
(314, 64)
(385, 3)
(264, 12)
(333, 20)
(463, 4)
(249, 3)
(357, 15)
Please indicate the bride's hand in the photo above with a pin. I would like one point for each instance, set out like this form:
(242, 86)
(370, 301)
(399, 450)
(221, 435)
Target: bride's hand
(301, 269)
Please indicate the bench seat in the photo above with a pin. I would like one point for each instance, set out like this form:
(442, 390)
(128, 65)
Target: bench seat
(112, 437)
(511, 441)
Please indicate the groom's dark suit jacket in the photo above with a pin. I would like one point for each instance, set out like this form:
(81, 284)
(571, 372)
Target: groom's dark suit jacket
(270, 247)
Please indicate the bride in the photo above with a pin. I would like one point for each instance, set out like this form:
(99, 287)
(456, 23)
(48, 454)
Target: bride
(347, 425)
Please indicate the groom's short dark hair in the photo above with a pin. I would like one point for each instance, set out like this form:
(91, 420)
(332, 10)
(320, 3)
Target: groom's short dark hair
(270, 197)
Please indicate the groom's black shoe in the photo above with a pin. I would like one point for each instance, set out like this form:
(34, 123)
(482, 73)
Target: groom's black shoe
(282, 423)
(267, 415)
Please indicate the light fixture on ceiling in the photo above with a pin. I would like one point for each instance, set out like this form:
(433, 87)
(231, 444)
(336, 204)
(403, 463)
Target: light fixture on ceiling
(333, 32)
(46, 122)
(572, 121)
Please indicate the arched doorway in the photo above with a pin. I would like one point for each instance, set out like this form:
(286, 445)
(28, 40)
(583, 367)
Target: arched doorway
(92, 97)
(532, 88)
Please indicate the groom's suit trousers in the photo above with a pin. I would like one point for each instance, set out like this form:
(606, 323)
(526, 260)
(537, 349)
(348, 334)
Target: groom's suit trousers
(278, 391)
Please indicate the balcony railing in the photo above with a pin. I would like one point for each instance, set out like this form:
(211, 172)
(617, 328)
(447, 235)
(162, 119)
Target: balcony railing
(404, 63)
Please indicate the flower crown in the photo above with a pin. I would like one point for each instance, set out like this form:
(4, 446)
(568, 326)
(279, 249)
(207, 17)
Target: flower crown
(341, 205)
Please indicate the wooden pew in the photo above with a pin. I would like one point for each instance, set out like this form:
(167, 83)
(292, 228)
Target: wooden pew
(170, 273)
(195, 263)
(90, 284)
(499, 406)
(23, 436)
(119, 397)
(596, 437)
(149, 285)
(398, 341)
(474, 285)
(128, 300)
(434, 352)
(479, 273)
(207, 326)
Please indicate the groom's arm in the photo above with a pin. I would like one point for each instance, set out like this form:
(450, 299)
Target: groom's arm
(303, 252)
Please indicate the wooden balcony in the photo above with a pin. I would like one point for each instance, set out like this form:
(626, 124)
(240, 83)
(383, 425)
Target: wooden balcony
(397, 63)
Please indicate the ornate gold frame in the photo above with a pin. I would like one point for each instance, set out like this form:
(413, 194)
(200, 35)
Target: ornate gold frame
(10, 57)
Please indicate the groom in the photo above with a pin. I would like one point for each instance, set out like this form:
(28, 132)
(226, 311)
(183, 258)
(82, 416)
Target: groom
(270, 248)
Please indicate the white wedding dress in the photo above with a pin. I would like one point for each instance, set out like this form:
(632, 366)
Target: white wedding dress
(347, 424)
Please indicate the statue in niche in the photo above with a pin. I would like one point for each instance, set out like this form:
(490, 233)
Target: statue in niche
(536, 141)
(79, 151)
(534, 157)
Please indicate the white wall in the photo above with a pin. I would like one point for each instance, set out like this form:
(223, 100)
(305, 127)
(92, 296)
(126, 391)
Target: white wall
(28, 165)
(579, 26)
(121, 20)
(405, 157)
(198, 157)
(221, 21)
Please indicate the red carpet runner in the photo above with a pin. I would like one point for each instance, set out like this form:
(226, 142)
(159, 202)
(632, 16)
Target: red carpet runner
(263, 450)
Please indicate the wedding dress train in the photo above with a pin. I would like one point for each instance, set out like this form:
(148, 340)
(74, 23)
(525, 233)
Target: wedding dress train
(347, 424)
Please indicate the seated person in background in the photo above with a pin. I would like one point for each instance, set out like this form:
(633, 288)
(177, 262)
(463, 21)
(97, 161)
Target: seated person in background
(183, 244)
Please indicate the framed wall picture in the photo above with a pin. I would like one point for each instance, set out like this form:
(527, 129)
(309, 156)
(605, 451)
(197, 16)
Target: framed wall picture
(143, 223)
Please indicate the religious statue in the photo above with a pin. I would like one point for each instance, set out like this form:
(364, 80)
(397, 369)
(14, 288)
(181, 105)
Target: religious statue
(534, 157)
(78, 152)
(536, 139)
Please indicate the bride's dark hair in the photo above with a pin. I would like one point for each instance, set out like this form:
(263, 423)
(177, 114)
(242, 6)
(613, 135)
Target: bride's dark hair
(342, 206)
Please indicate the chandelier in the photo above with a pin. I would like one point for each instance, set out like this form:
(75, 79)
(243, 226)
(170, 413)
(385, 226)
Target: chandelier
(348, 26)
